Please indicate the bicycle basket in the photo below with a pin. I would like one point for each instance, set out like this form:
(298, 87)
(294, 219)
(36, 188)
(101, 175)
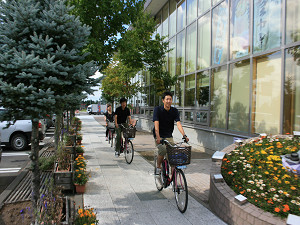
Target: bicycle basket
(111, 125)
(179, 155)
(129, 132)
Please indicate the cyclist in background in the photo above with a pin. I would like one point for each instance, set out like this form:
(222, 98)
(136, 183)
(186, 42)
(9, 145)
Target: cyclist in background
(121, 115)
(164, 118)
(108, 117)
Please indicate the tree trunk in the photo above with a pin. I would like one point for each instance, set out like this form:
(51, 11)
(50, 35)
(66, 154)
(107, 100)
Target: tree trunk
(68, 121)
(57, 132)
(34, 156)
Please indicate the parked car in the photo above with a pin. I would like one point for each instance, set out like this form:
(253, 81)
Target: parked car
(18, 135)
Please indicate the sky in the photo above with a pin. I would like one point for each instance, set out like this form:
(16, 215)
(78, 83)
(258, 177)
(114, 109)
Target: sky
(97, 92)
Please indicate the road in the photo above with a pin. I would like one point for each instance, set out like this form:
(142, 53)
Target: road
(13, 162)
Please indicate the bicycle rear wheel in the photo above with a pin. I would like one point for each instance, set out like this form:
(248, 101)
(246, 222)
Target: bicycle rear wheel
(180, 190)
(157, 178)
(109, 136)
(112, 140)
(128, 151)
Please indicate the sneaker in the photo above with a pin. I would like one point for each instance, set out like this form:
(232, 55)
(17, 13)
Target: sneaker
(157, 171)
(106, 139)
(117, 154)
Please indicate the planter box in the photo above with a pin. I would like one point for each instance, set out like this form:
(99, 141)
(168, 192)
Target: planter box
(64, 179)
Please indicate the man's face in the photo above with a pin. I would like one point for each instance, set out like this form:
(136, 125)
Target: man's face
(167, 101)
(123, 104)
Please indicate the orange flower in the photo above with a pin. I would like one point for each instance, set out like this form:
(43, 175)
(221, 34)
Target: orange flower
(286, 208)
(230, 172)
(277, 209)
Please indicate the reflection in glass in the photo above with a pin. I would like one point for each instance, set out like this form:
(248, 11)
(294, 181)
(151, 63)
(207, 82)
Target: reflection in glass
(202, 117)
(191, 10)
(215, 2)
(146, 97)
(219, 32)
(240, 28)
(292, 21)
(188, 116)
(181, 16)
(172, 55)
(165, 14)
(158, 22)
(180, 91)
(190, 90)
(203, 58)
(191, 42)
(292, 90)
(152, 94)
(266, 94)
(239, 96)
(266, 27)
(172, 18)
(202, 95)
(180, 49)
(203, 5)
(218, 97)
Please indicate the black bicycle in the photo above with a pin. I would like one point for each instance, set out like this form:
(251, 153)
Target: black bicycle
(126, 147)
(111, 132)
(179, 156)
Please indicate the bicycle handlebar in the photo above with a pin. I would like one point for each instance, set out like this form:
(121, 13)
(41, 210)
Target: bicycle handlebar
(129, 125)
(164, 141)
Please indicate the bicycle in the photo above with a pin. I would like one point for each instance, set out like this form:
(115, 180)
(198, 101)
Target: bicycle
(126, 144)
(179, 156)
(111, 132)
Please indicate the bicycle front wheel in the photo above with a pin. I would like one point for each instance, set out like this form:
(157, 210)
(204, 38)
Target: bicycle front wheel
(157, 177)
(129, 151)
(180, 190)
(112, 139)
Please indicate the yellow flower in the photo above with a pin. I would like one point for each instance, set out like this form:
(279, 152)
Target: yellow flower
(287, 182)
(266, 172)
(293, 188)
(80, 211)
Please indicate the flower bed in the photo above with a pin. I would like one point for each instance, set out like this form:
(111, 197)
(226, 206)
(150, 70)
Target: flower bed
(255, 170)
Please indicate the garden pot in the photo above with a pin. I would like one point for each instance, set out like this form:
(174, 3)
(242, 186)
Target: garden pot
(80, 189)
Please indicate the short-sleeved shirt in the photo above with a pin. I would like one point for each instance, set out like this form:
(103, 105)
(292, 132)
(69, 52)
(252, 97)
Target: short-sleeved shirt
(122, 114)
(110, 117)
(166, 120)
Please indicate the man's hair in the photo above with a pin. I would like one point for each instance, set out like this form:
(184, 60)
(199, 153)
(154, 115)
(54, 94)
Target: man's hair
(123, 100)
(167, 93)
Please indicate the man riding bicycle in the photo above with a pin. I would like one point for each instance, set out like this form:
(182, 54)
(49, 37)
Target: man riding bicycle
(121, 115)
(164, 118)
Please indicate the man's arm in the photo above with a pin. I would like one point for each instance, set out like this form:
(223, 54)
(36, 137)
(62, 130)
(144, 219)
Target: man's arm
(156, 127)
(180, 128)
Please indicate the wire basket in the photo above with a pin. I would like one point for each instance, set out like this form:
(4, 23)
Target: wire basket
(129, 132)
(179, 155)
(111, 125)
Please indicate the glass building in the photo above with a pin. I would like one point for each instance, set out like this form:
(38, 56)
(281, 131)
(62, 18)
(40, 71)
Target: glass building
(238, 63)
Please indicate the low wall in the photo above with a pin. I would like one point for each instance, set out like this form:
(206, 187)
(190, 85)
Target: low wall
(223, 204)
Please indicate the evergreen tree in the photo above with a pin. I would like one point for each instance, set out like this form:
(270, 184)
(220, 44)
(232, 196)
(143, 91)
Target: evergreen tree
(41, 65)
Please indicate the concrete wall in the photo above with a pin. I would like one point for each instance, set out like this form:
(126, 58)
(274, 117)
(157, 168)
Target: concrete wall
(203, 140)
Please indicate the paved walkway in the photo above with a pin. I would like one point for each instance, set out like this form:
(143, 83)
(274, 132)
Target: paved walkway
(126, 194)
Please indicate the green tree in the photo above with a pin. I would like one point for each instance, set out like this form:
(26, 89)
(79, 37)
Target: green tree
(117, 82)
(41, 65)
(107, 18)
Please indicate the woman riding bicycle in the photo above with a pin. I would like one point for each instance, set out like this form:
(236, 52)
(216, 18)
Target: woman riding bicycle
(164, 118)
(108, 117)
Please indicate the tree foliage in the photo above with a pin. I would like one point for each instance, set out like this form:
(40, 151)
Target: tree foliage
(140, 50)
(107, 18)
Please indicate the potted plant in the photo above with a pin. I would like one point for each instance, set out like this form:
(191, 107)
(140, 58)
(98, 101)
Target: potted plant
(79, 150)
(80, 179)
(78, 139)
(86, 216)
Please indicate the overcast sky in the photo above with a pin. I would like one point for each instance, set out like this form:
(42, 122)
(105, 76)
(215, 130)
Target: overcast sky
(97, 92)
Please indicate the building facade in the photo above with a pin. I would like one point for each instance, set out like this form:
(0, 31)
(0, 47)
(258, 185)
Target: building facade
(238, 63)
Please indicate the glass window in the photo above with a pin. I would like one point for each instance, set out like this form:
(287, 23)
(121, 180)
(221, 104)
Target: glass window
(266, 25)
(191, 43)
(191, 10)
(180, 91)
(172, 18)
(220, 31)
(266, 94)
(146, 96)
(292, 90)
(292, 21)
(218, 97)
(181, 16)
(203, 5)
(188, 116)
(202, 94)
(165, 14)
(172, 56)
(214, 2)
(190, 90)
(180, 57)
(158, 22)
(202, 117)
(240, 28)
(152, 94)
(239, 96)
(203, 58)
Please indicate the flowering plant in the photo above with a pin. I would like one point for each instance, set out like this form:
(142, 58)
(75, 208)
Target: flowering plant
(81, 176)
(86, 216)
(80, 162)
(79, 149)
(255, 170)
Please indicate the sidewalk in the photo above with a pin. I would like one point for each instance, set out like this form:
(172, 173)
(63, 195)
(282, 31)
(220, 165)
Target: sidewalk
(126, 194)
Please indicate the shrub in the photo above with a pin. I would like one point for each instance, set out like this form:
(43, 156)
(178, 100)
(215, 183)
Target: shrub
(86, 216)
